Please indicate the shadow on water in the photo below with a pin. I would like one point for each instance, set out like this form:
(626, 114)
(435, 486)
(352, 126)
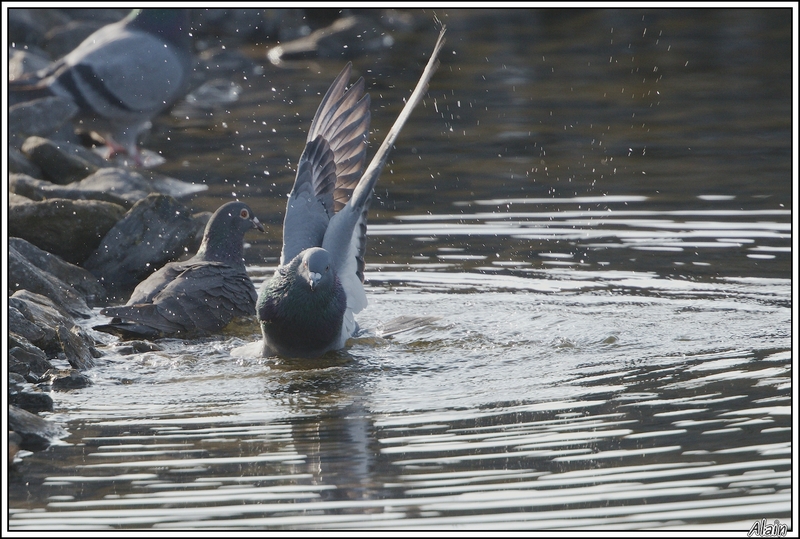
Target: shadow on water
(595, 205)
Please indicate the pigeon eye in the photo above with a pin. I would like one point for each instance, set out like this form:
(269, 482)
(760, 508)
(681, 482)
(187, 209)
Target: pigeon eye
(244, 214)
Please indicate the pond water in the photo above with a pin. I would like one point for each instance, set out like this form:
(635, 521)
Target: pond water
(595, 206)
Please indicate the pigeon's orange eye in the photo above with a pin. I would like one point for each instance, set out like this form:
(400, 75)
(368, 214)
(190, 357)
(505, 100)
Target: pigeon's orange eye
(244, 214)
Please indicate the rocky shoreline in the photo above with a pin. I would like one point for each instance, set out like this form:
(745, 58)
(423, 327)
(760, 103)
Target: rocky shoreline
(83, 230)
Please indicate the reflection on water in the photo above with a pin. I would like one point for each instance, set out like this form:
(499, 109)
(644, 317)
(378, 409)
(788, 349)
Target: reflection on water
(600, 227)
(583, 408)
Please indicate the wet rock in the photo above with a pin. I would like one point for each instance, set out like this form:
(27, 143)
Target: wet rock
(348, 37)
(23, 275)
(135, 347)
(47, 327)
(31, 398)
(155, 231)
(71, 229)
(42, 313)
(18, 163)
(23, 326)
(14, 199)
(61, 162)
(172, 187)
(40, 117)
(127, 186)
(110, 184)
(26, 360)
(115, 185)
(74, 342)
(73, 380)
(71, 275)
(16, 381)
(36, 433)
(14, 441)
(22, 62)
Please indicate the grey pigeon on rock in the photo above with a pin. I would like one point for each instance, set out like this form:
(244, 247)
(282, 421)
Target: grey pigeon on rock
(121, 76)
(199, 296)
(307, 308)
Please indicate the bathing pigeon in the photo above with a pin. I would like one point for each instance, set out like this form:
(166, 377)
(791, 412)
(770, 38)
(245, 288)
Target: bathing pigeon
(121, 76)
(196, 297)
(306, 309)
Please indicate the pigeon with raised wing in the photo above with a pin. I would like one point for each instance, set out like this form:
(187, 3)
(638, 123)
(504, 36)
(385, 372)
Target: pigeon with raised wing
(307, 308)
(199, 296)
(121, 76)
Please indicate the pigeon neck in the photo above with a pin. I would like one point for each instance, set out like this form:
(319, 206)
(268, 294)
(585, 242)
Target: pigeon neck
(216, 249)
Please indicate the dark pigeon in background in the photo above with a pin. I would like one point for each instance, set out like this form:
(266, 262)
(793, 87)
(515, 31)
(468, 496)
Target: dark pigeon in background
(306, 309)
(121, 76)
(199, 296)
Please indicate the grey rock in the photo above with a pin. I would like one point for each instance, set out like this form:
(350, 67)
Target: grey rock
(40, 117)
(115, 185)
(16, 381)
(31, 399)
(127, 186)
(110, 184)
(14, 199)
(36, 433)
(71, 229)
(58, 335)
(14, 440)
(135, 347)
(155, 231)
(26, 360)
(174, 188)
(22, 274)
(21, 62)
(34, 188)
(25, 327)
(61, 162)
(74, 343)
(42, 313)
(73, 380)
(18, 163)
(78, 278)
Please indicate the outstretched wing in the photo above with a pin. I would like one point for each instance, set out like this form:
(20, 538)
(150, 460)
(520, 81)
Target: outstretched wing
(346, 234)
(330, 166)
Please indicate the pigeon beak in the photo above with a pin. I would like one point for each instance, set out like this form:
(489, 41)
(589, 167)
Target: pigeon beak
(257, 224)
(313, 279)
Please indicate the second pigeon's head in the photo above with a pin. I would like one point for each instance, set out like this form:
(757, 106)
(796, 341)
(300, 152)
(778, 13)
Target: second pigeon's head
(224, 233)
(316, 268)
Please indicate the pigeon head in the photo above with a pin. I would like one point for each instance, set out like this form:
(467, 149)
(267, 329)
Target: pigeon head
(224, 233)
(316, 268)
